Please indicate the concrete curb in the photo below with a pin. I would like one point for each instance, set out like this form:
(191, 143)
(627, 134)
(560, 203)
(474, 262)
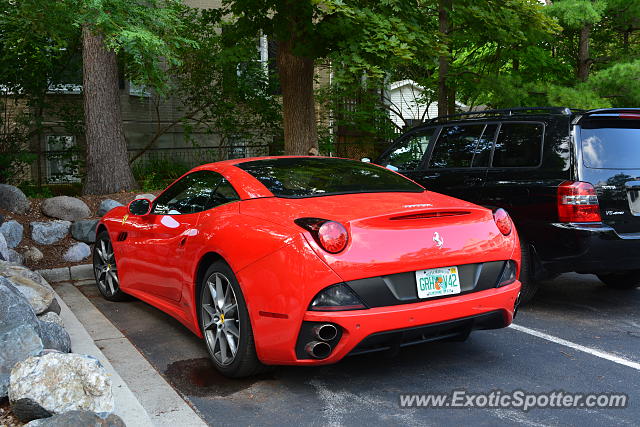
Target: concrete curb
(162, 404)
(64, 274)
(127, 405)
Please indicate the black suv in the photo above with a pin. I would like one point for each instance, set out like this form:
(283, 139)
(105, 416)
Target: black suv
(570, 180)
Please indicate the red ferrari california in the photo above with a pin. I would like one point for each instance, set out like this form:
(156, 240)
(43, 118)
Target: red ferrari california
(306, 260)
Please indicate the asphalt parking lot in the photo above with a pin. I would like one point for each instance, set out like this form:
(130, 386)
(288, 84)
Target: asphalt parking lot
(576, 336)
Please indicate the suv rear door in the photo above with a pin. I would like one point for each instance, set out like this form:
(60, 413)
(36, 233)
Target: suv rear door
(609, 149)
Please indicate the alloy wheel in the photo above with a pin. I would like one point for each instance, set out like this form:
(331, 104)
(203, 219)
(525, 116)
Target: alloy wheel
(104, 265)
(220, 320)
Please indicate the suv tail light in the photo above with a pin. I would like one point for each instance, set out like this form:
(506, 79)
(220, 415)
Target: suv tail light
(578, 202)
(330, 235)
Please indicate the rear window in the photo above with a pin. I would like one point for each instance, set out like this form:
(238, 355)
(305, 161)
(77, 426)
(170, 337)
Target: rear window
(611, 144)
(518, 145)
(307, 177)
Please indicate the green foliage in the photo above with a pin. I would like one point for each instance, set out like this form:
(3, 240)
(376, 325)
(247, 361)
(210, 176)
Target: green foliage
(32, 190)
(158, 173)
(574, 14)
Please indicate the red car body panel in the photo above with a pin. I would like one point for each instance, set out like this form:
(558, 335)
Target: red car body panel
(281, 268)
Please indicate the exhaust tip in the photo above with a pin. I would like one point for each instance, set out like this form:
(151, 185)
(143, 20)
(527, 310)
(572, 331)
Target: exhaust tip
(318, 349)
(325, 332)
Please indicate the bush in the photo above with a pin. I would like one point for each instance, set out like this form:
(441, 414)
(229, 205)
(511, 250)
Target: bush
(157, 173)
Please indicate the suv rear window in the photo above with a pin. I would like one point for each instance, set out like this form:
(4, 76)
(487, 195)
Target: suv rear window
(611, 144)
(518, 145)
(297, 177)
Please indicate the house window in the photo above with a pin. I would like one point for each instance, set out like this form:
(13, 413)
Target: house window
(237, 148)
(62, 159)
(138, 90)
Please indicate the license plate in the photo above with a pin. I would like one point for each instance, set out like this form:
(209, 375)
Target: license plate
(437, 282)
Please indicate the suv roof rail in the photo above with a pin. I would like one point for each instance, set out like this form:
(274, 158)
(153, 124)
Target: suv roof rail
(505, 111)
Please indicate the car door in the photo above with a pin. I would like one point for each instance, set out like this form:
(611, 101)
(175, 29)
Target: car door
(459, 159)
(407, 154)
(163, 241)
(514, 170)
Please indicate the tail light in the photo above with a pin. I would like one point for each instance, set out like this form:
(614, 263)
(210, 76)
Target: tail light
(578, 202)
(503, 221)
(330, 235)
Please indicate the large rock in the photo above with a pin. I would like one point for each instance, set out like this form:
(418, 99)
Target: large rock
(17, 344)
(65, 207)
(55, 337)
(77, 252)
(13, 199)
(15, 257)
(32, 255)
(85, 230)
(51, 317)
(106, 205)
(59, 383)
(12, 231)
(19, 331)
(49, 232)
(39, 297)
(4, 249)
(8, 269)
(78, 419)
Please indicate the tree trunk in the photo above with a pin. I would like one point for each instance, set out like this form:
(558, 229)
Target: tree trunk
(108, 169)
(444, 6)
(583, 53)
(298, 102)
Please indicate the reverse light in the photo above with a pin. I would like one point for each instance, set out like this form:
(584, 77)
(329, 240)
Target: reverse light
(503, 221)
(578, 202)
(330, 235)
(509, 274)
(336, 298)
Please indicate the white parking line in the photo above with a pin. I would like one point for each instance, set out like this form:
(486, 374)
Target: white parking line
(592, 351)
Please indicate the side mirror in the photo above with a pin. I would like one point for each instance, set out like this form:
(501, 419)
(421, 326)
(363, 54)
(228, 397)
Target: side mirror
(140, 207)
(365, 160)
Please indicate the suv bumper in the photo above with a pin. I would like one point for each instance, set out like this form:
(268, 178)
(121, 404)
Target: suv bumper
(588, 248)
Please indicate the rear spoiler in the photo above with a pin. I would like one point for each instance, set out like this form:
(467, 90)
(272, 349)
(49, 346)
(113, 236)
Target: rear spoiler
(623, 113)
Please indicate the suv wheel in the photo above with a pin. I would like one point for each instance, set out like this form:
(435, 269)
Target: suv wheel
(624, 280)
(529, 285)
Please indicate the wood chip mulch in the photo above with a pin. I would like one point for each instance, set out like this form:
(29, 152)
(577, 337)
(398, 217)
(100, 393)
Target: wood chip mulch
(7, 419)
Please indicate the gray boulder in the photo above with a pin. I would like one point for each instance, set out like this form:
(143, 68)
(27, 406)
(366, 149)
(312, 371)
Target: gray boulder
(59, 383)
(13, 199)
(17, 344)
(85, 230)
(51, 317)
(8, 269)
(39, 297)
(15, 257)
(65, 207)
(4, 249)
(77, 252)
(106, 205)
(54, 307)
(12, 231)
(55, 337)
(49, 232)
(32, 255)
(19, 331)
(78, 418)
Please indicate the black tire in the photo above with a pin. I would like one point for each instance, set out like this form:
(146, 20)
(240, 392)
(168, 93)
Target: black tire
(105, 269)
(245, 362)
(529, 285)
(624, 280)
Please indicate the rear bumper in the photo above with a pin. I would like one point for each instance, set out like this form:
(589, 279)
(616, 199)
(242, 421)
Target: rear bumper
(423, 321)
(588, 248)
